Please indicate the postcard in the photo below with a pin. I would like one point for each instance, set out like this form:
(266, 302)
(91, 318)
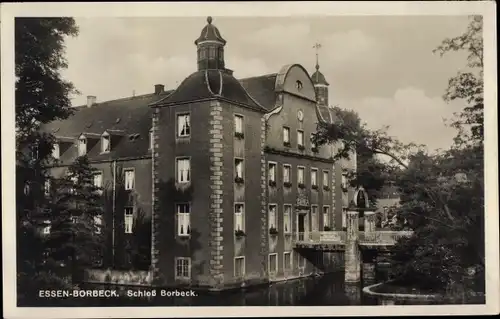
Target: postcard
(249, 159)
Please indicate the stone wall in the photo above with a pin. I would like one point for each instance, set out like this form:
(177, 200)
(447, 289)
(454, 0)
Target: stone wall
(119, 277)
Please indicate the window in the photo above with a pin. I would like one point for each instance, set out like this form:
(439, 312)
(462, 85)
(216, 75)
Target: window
(183, 268)
(272, 216)
(47, 227)
(300, 138)
(298, 84)
(98, 181)
(98, 223)
(287, 218)
(286, 173)
(313, 145)
(326, 179)
(46, 187)
(55, 151)
(314, 177)
(203, 53)
(211, 52)
(300, 175)
(129, 219)
(287, 260)
(74, 181)
(151, 140)
(129, 179)
(314, 217)
(238, 124)
(183, 219)
(221, 54)
(238, 167)
(26, 188)
(105, 143)
(239, 267)
(183, 170)
(183, 125)
(239, 214)
(344, 217)
(344, 182)
(326, 217)
(302, 261)
(286, 135)
(272, 173)
(273, 263)
(82, 146)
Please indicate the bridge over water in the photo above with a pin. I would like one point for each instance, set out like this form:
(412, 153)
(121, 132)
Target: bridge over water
(336, 240)
(360, 248)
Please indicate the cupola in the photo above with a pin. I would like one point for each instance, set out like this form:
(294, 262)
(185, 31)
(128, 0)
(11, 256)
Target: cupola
(210, 46)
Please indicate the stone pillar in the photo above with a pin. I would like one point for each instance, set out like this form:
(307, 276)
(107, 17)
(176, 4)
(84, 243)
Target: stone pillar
(216, 198)
(369, 217)
(156, 278)
(264, 230)
(352, 253)
(369, 266)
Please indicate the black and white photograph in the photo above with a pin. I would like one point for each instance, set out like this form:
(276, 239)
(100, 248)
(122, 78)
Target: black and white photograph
(207, 159)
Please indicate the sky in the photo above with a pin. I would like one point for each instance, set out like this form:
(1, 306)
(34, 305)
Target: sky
(382, 67)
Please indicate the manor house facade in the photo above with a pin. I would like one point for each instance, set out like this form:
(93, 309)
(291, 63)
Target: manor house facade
(224, 169)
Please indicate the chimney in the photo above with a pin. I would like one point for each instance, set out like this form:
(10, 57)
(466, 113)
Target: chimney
(159, 88)
(91, 100)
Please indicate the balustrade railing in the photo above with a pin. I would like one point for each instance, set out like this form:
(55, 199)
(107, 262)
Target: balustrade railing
(323, 236)
(382, 237)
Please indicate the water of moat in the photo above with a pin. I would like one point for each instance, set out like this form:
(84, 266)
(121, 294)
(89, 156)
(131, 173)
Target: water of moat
(325, 290)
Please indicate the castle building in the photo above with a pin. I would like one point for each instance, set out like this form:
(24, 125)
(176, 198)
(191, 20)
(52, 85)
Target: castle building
(223, 168)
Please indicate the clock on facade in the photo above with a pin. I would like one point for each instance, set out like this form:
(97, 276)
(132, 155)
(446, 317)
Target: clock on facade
(300, 115)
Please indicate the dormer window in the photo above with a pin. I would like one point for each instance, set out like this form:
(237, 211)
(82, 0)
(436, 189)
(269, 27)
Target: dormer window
(82, 146)
(55, 151)
(105, 143)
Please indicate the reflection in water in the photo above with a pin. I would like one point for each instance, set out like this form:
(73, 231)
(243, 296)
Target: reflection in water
(313, 291)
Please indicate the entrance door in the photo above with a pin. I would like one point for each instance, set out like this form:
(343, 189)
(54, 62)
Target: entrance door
(301, 228)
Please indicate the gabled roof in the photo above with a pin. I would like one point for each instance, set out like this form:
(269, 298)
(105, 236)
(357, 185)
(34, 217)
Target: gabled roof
(130, 115)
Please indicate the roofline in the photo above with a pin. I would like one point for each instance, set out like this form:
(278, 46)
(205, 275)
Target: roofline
(214, 98)
(124, 99)
(284, 71)
(258, 76)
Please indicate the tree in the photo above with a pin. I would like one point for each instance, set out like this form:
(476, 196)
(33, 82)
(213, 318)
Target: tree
(371, 173)
(468, 85)
(41, 96)
(442, 194)
(141, 242)
(75, 214)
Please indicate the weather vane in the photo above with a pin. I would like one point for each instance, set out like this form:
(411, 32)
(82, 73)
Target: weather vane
(317, 46)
